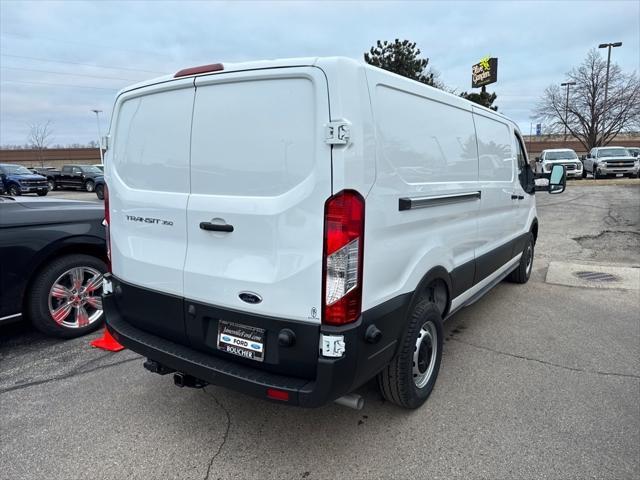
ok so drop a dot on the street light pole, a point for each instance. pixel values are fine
(609, 46)
(98, 112)
(566, 107)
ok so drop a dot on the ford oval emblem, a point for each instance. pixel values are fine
(250, 297)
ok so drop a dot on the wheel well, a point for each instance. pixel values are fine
(435, 286)
(86, 249)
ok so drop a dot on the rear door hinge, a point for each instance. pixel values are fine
(337, 132)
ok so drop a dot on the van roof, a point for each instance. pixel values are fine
(322, 62)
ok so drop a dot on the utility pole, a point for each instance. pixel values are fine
(606, 82)
(566, 107)
(98, 112)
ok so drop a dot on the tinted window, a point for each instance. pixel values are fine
(91, 169)
(494, 150)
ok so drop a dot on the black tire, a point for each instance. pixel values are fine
(525, 267)
(14, 190)
(42, 193)
(595, 173)
(37, 301)
(100, 192)
(396, 380)
(89, 185)
(584, 172)
(52, 184)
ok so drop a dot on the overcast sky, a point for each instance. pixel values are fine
(59, 60)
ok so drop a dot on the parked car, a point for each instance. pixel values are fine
(319, 247)
(53, 255)
(78, 176)
(99, 187)
(17, 180)
(610, 161)
(50, 173)
(559, 156)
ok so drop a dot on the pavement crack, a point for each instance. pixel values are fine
(544, 362)
(72, 373)
(224, 437)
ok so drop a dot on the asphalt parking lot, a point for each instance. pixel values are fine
(537, 381)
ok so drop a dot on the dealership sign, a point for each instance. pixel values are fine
(484, 73)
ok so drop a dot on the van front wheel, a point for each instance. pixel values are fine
(523, 272)
(409, 378)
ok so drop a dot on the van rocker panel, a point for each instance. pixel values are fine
(328, 379)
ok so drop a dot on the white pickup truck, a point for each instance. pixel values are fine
(610, 161)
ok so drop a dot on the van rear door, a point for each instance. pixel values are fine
(147, 171)
(260, 175)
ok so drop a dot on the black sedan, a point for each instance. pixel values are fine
(52, 259)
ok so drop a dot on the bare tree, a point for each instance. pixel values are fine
(587, 117)
(40, 137)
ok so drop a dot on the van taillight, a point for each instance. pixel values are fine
(107, 222)
(342, 258)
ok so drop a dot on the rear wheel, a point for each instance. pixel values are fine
(410, 377)
(89, 186)
(100, 191)
(523, 272)
(13, 190)
(64, 299)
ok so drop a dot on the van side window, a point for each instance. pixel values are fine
(494, 150)
(525, 173)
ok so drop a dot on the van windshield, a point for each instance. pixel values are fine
(564, 155)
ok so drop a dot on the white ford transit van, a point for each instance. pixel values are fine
(293, 228)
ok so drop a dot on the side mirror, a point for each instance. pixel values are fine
(557, 179)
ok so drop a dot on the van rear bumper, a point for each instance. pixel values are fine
(334, 377)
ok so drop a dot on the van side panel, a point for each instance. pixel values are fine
(147, 171)
(426, 147)
(259, 163)
(496, 222)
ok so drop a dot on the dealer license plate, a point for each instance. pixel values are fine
(241, 340)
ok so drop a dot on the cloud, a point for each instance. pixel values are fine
(536, 43)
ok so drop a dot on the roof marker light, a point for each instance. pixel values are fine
(213, 67)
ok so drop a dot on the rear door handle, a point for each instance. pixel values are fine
(215, 227)
(514, 197)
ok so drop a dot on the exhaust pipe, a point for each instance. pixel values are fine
(352, 400)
